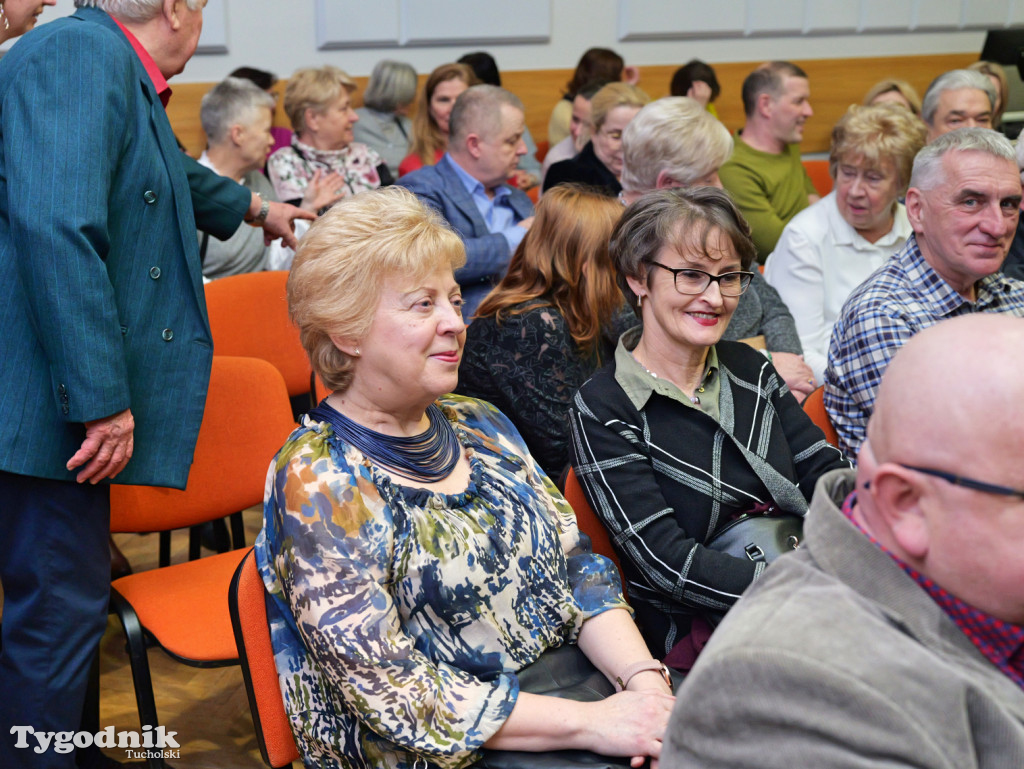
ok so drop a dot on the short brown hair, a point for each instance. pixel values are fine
(345, 258)
(679, 218)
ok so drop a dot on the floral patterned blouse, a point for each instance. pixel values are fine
(291, 168)
(399, 615)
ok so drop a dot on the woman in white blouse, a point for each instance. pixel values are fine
(829, 249)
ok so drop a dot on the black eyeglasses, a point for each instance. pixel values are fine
(691, 281)
(967, 483)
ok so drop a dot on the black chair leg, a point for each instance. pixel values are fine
(237, 531)
(165, 548)
(139, 659)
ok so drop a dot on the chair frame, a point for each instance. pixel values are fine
(261, 708)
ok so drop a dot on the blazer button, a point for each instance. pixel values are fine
(149, 196)
(154, 272)
(124, 331)
(66, 409)
(168, 335)
(61, 389)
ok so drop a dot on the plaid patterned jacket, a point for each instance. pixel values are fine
(902, 297)
(664, 477)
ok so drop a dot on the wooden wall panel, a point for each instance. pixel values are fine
(835, 84)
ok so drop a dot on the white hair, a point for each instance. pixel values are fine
(138, 11)
(955, 80)
(676, 135)
(234, 101)
(928, 170)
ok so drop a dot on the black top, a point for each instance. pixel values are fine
(663, 477)
(585, 168)
(530, 367)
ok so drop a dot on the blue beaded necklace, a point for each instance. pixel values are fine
(428, 457)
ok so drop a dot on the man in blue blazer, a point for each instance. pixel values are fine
(106, 349)
(467, 186)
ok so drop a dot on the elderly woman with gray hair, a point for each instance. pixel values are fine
(236, 115)
(417, 558)
(384, 125)
(829, 249)
(683, 431)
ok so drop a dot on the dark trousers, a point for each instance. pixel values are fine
(55, 571)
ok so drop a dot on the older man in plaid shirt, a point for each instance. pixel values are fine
(963, 203)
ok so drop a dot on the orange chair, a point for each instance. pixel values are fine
(588, 521)
(814, 407)
(820, 176)
(249, 318)
(183, 608)
(246, 602)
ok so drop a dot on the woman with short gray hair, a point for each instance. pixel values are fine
(384, 125)
(829, 249)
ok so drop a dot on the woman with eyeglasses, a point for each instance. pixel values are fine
(599, 163)
(683, 431)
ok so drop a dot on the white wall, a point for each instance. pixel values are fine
(280, 35)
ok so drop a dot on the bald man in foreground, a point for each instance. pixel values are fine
(894, 636)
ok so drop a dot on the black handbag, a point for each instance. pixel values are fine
(561, 672)
(759, 537)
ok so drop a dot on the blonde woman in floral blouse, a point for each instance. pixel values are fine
(319, 104)
(409, 585)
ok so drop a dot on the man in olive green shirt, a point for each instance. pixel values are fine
(764, 175)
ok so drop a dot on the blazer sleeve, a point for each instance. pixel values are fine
(614, 466)
(220, 203)
(487, 255)
(58, 182)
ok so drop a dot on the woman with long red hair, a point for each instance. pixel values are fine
(551, 322)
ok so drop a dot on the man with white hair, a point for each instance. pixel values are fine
(107, 348)
(895, 635)
(963, 205)
(675, 142)
(960, 98)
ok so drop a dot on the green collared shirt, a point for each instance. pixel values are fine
(638, 383)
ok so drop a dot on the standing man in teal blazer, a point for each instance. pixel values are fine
(106, 347)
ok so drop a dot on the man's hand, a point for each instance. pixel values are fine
(796, 372)
(323, 189)
(108, 445)
(279, 223)
(526, 223)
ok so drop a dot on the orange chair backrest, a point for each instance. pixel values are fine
(820, 176)
(256, 656)
(814, 407)
(249, 319)
(246, 420)
(587, 519)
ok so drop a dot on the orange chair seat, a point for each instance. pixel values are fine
(194, 590)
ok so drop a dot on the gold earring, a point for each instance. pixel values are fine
(639, 301)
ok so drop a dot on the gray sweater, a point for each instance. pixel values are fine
(762, 311)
